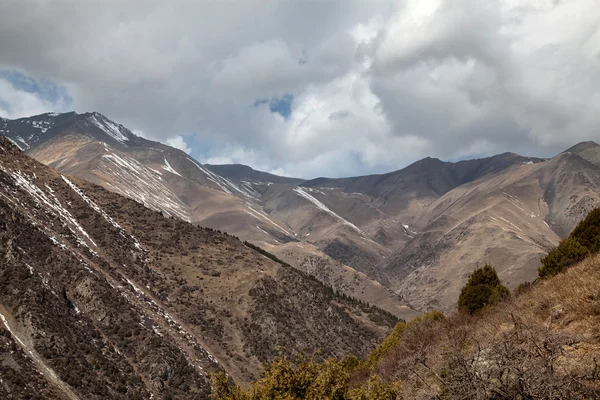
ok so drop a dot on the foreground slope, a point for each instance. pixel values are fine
(542, 344)
(103, 298)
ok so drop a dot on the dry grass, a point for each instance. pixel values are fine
(569, 302)
(543, 344)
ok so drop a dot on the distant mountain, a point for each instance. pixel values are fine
(102, 298)
(394, 239)
(510, 219)
(240, 173)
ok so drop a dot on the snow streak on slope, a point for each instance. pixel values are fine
(161, 317)
(110, 128)
(17, 144)
(49, 200)
(261, 215)
(136, 181)
(225, 184)
(45, 369)
(323, 207)
(167, 167)
(100, 211)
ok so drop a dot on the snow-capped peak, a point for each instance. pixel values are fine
(117, 132)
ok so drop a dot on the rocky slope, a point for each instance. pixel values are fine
(101, 297)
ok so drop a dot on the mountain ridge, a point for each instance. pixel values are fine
(387, 228)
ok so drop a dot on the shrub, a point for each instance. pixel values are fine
(483, 288)
(567, 253)
(301, 378)
(304, 378)
(394, 338)
(587, 232)
(583, 241)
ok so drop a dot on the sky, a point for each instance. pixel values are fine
(313, 88)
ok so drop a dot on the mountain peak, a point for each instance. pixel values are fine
(114, 130)
(240, 171)
(589, 151)
(38, 129)
(582, 146)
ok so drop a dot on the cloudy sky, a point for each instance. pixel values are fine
(315, 87)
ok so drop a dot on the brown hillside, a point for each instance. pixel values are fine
(108, 299)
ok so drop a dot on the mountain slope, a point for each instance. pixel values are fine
(510, 219)
(242, 174)
(108, 299)
(402, 239)
(98, 150)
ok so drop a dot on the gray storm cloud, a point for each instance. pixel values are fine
(374, 85)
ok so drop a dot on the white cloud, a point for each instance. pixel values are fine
(179, 143)
(17, 103)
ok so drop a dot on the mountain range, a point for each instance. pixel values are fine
(405, 241)
(102, 298)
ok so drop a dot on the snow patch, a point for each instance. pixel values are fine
(167, 167)
(100, 211)
(113, 130)
(323, 207)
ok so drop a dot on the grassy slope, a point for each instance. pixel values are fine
(542, 344)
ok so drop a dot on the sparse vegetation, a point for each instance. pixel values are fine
(136, 313)
(542, 344)
(377, 313)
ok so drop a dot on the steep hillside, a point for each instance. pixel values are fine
(103, 298)
(98, 150)
(541, 344)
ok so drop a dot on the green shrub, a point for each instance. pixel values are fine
(394, 338)
(583, 241)
(587, 232)
(300, 378)
(483, 288)
(567, 253)
(304, 378)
